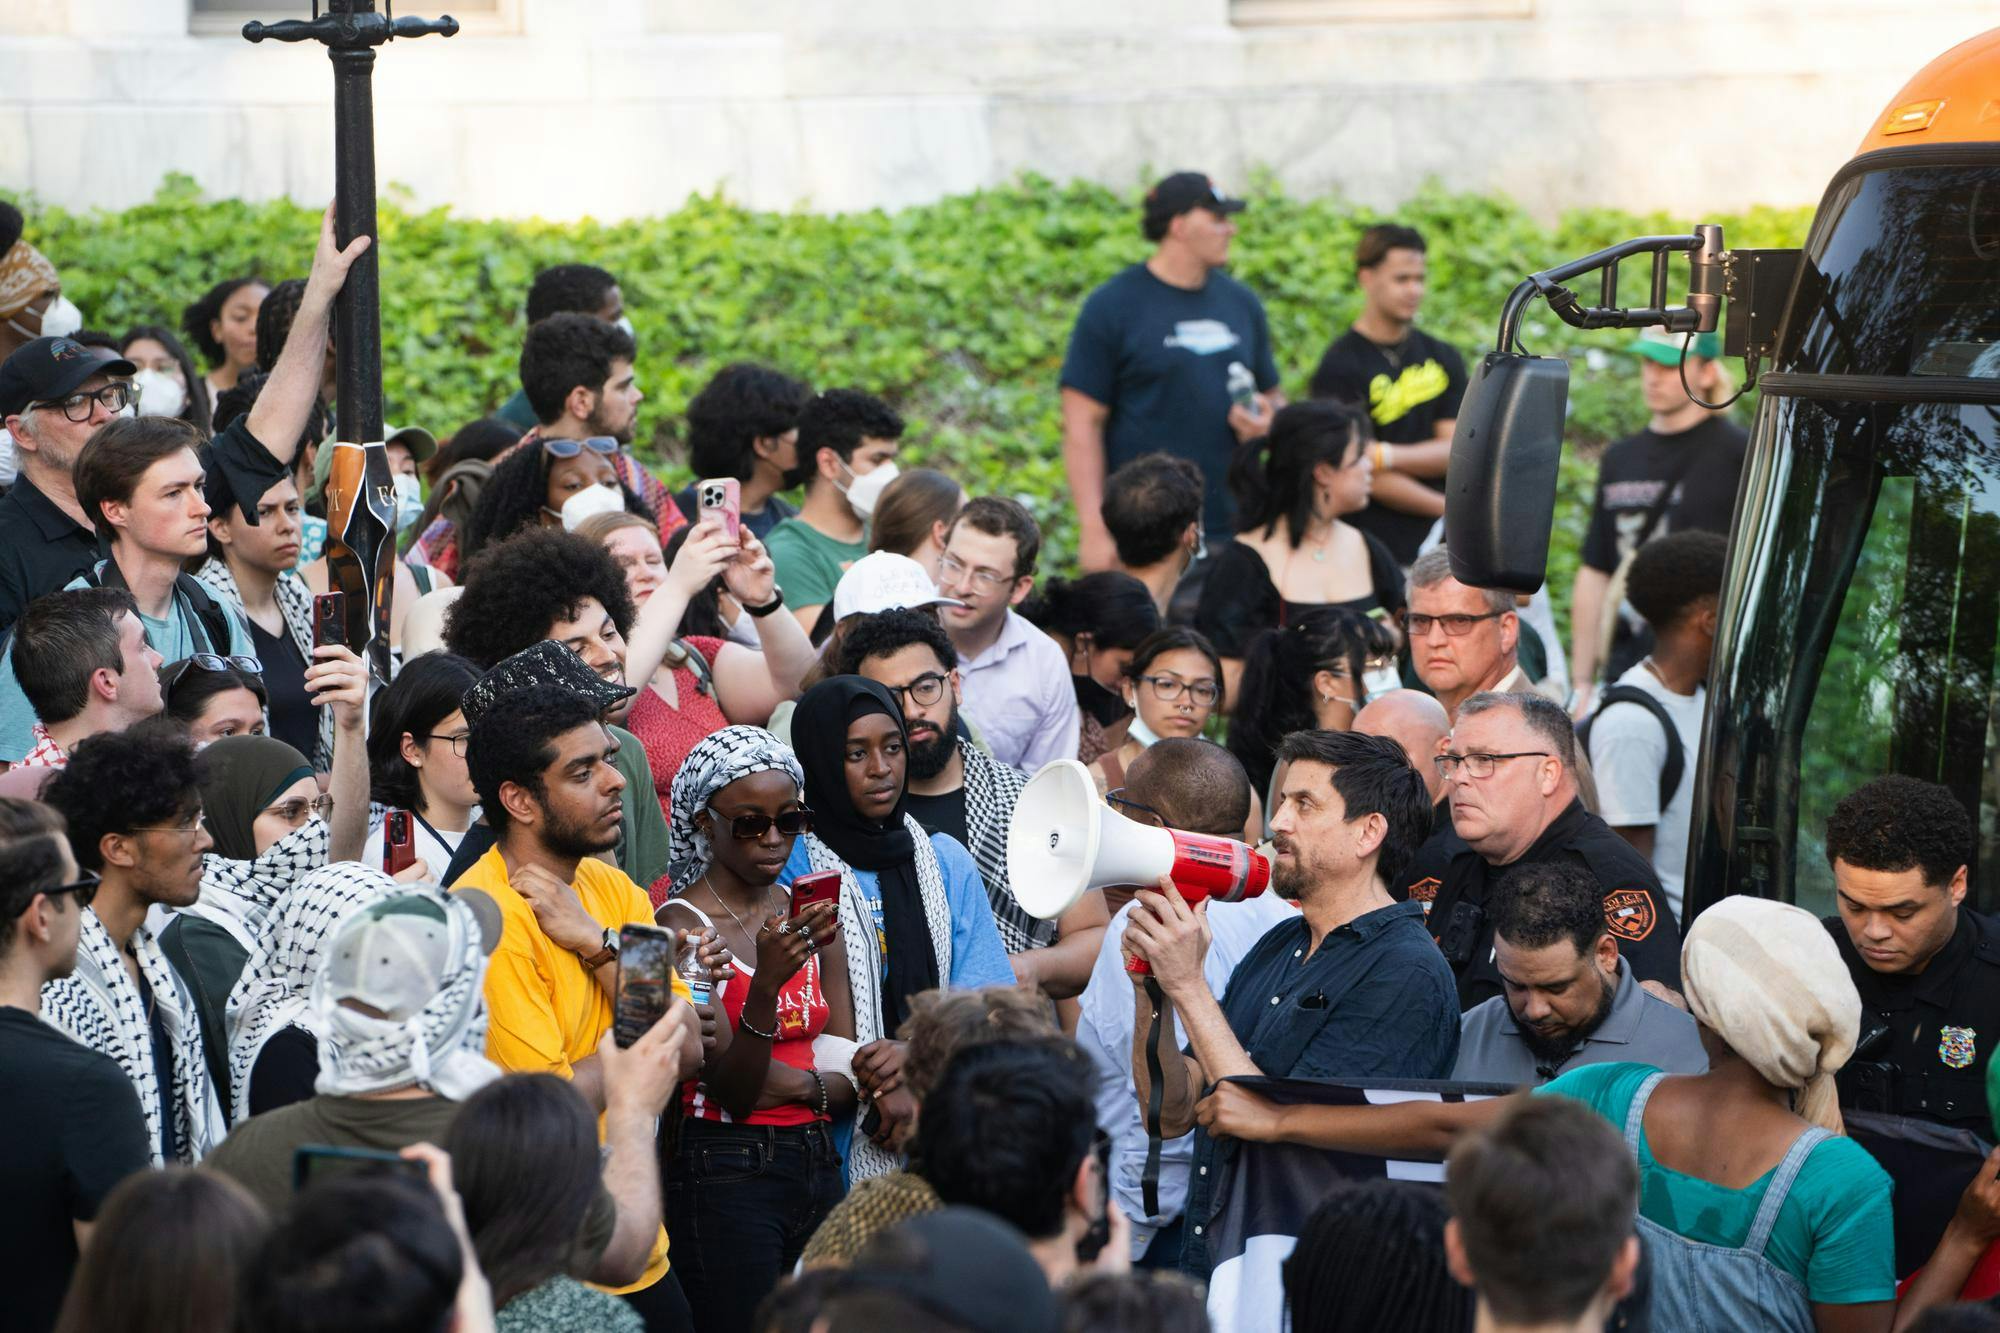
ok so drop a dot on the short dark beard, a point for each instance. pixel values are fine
(567, 838)
(931, 758)
(1551, 1052)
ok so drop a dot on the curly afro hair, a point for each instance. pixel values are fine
(513, 498)
(1899, 823)
(517, 589)
(1672, 576)
(892, 631)
(514, 741)
(744, 403)
(119, 781)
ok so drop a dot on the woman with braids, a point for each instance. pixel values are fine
(1310, 674)
(1370, 1259)
(787, 1072)
(1293, 552)
(1097, 620)
(223, 327)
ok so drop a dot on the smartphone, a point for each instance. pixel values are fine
(823, 887)
(645, 988)
(722, 497)
(330, 619)
(318, 1161)
(399, 842)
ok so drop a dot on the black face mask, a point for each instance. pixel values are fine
(1100, 703)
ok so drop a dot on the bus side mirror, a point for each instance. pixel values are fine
(1500, 490)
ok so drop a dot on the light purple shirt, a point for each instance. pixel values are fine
(1020, 693)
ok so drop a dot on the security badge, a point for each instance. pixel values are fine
(1957, 1047)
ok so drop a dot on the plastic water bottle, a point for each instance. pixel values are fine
(693, 973)
(1242, 387)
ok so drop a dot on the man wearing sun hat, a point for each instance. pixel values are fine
(1678, 473)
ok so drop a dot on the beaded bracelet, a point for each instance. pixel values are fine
(743, 1022)
(825, 1106)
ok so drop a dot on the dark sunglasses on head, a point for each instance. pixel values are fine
(744, 828)
(597, 444)
(171, 674)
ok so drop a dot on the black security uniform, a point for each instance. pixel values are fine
(1635, 909)
(1925, 1039)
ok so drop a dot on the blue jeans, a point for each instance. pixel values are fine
(741, 1203)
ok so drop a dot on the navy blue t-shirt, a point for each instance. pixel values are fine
(1158, 356)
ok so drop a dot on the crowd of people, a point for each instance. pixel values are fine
(311, 1013)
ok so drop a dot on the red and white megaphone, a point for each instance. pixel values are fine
(1065, 841)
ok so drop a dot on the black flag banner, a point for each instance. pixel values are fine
(1267, 1190)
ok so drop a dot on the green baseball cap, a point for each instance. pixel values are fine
(1665, 348)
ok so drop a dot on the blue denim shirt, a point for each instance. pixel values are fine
(1375, 1000)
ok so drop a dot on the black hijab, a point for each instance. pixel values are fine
(819, 737)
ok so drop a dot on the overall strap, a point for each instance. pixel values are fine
(1781, 1186)
(1635, 1116)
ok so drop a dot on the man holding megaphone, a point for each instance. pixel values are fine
(1351, 988)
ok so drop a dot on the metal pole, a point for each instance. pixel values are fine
(357, 320)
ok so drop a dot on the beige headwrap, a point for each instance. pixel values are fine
(1766, 977)
(25, 273)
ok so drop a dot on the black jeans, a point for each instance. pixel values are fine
(742, 1201)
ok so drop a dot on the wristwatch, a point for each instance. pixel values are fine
(758, 612)
(609, 953)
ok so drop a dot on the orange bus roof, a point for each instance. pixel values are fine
(1954, 99)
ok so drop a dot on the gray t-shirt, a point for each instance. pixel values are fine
(1640, 1028)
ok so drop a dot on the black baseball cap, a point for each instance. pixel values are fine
(963, 1265)
(50, 368)
(1185, 190)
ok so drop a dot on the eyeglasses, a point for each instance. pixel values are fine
(77, 407)
(925, 689)
(457, 743)
(983, 579)
(170, 675)
(597, 444)
(1454, 626)
(746, 828)
(296, 813)
(1481, 765)
(1131, 809)
(1168, 688)
(196, 825)
(84, 886)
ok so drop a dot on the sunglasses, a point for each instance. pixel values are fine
(745, 828)
(597, 444)
(171, 675)
(1131, 809)
(84, 886)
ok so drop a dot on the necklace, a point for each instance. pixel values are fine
(748, 933)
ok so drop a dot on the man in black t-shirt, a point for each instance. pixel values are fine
(1410, 382)
(1158, 357)
(74, 1127)
(1677, 474)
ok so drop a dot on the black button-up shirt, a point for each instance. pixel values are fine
(1942, 1027)
(41, 549)
(1635, 909)
(1375, 1000)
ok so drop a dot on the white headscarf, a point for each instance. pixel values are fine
(718, 760)
(1766, 978)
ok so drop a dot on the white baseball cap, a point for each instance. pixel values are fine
(883, 581)
(394, 955)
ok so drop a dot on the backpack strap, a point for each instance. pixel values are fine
(208, 613)
(1676, 762)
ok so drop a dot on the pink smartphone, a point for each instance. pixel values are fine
(723, 498)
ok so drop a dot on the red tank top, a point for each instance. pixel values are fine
(802, 1015)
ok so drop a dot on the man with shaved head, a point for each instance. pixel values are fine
(1187, 783)
(1418, 723)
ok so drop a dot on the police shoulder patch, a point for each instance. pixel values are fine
(1630, 914)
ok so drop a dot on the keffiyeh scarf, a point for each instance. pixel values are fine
(240, 896)
(100, 1006)
(866, 965)
(440, 1047)
(991, 789)
(275, 990)
(716, 761)
(294, 599)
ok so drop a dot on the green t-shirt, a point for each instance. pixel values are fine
(1835, 1232)
(809, 563)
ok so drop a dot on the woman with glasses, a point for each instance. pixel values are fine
(214, 696)
(737, 814)
(1097, 620)
(1293, 552)
(416, 761)
(1309, 675)
(913, 910)
(547, 483)
(1173, 684)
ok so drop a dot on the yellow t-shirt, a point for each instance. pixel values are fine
(544, 1011)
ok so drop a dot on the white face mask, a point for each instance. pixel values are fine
(160, 394)
(409, 499)
(588, 503)
(624, 323)
(61, 319)
(1379, 680)
(866, 489)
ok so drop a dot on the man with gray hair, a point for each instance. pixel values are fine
(1465, 640)
(1510, 777)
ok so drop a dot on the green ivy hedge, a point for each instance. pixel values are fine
(956, 311)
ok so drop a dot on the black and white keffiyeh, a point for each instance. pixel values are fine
(240, 896)
(294, 600)
(991, 790)
(99, 1005)
(440, 1047)
(275, 990)
(719, 759)
(865, 963)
